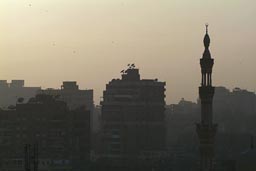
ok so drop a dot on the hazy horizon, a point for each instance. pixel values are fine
(46, 42)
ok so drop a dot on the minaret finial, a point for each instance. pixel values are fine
(206, 38)
(206, 26)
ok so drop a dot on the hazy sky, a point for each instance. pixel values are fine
(91, 41)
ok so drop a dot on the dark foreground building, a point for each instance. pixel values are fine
(206, 129)
(133, 120)
(62, 136)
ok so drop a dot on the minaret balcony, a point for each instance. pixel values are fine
(206, 133)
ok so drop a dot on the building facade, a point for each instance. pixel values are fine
(133, 118)
(62, 135)
(74, 97)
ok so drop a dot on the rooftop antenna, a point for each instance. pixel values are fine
(206, 26)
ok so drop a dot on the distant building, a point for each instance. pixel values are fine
(181, 115)
(180, 121)
(11, 92)
(72, 95)
(62, 135)
(133, 118)
(233, 110)
(240, 105)
(96, 118)
(238, 99)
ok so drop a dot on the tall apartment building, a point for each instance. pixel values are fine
(133, 118)
(62, 135)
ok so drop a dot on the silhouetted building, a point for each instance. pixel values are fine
(206, 129)
(181, 115)
(62, 135)
(240, 105)
(74, 97)
(133, 119)
(233, 110)
(180, 123)
(11, 92)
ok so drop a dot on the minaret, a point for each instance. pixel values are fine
(206, 130)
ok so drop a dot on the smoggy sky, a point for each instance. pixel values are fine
(47, 41)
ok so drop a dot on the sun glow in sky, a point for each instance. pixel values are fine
(47, 41)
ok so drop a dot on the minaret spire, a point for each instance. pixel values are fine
(207, 41)
(206, 62)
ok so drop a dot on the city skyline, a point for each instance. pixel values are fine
(87, 40)
(127, 85)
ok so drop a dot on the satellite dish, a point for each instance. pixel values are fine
(20, 100)
(11, 107)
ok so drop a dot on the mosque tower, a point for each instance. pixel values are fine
(206, 130)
